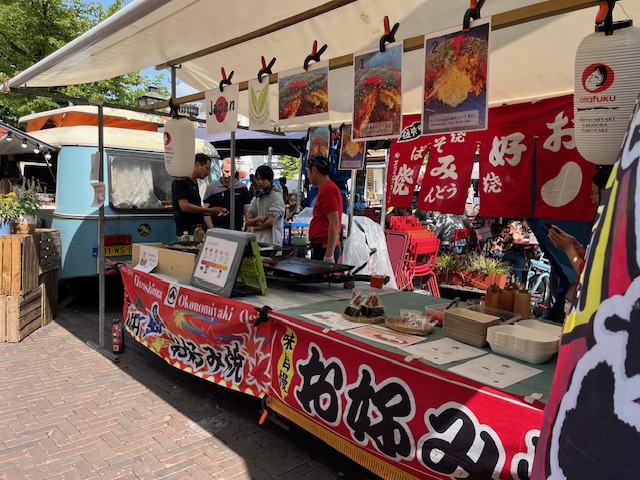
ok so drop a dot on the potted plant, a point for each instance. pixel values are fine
(28, 206)
(485, 271)
(9, 212)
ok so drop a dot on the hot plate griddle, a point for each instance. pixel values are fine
(305, 269)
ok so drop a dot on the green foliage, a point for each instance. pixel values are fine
(445, 261)
(481, 264)
(291, 166)
(30, 30)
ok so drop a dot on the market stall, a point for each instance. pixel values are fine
(391, 410)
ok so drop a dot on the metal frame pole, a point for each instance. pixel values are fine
(232, 182)
(101, 257)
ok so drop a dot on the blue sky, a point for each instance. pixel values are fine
(181, 87)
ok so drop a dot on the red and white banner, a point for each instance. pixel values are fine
(206, 335)
(424, 421)
(447, 171)
(506, 154)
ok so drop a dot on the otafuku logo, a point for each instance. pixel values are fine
(597, 77)
(167, 138)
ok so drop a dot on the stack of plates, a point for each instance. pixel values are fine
(468, 326)
(529, 342)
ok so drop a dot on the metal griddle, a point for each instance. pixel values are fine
(306, 270)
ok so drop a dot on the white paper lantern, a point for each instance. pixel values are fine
(607, 83)
(179, 147)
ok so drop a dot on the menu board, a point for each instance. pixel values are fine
(227, 257)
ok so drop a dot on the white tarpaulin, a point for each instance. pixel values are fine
(531, 60)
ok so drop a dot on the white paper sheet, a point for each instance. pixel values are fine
(444, 351)
(386, 336)
(332, 320)
(495, 371)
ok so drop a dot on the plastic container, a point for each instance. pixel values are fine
(436, 311)
(493, 296)
(522, 304)
(507, 296)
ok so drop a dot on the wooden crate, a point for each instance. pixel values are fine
(170, 262)
(20, 315)
(49, 249)
(49, 283)
(19, 268)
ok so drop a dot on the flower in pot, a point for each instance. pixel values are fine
(28, 206)
(9, 212)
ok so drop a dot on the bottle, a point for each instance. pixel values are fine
(493, 296)
(185, 237)
(522, 303)
(198, 234)
(506, 299)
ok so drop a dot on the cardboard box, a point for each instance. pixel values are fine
(170, 262)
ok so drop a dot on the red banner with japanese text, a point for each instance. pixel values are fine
(460, 429)
(518, 137)
(206, 335)
(563, 177)
(447, 173)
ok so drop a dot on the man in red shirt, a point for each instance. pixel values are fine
(324, 231)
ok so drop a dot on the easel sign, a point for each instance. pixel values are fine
(228, 256)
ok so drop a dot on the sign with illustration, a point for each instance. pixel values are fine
(205, 335)
(303, 96)
(221, 108)
(377, 93)
(259, 105)
(351, 153)
(319, 141)
(455, 79)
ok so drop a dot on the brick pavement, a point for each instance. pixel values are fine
(67, 412)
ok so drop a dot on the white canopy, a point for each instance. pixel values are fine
(530, 60)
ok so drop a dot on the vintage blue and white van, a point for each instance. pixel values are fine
(138, 188)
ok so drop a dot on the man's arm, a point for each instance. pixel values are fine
(332, 235)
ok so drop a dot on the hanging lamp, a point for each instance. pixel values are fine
(179, 144)
(606, 84)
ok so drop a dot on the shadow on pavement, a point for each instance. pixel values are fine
(269, 451)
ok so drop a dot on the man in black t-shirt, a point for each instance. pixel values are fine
(218, 194)
(188, 211)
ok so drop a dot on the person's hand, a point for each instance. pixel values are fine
(561, 239)
(219, 211)
(328, 259)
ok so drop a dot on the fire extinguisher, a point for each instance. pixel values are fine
(117, 337)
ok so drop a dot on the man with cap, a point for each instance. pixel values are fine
(324, 230)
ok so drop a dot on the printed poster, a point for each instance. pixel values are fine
(303, 96)
(259, 104)
(351, 153)
(455, 80)
(377, 98)
(215, 261)
(148, 259)
(319, 141)
(221, 108)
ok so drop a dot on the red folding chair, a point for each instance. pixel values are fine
(426, 254)
(398, 246)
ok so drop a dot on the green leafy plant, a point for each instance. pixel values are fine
(27, 197)
(445, 262)
(489, 266)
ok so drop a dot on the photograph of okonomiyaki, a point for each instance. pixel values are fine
(377, 99)
(455, 79)
(303, 93)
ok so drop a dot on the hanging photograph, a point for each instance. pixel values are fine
(351, 153)
(222, 109)
(259, 105)
(303, 96)
(455, 80)
(377, 98)
(319, 141)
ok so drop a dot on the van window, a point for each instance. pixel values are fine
(138, 181)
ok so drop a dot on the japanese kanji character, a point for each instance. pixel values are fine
(507, 148)
(458, 137)
(400, 181)
(235, 363)
(491, 183)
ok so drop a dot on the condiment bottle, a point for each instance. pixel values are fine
(506, 299)
(185, 237)
(522, 303)
(493, 296)
(198, 234)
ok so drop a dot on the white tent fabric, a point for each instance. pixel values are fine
(532, 60)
